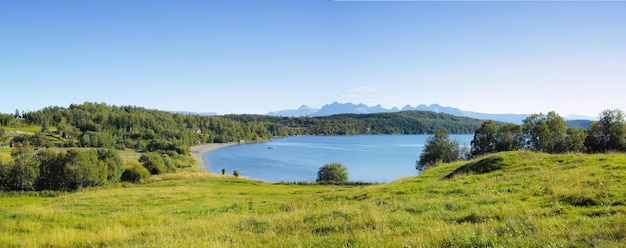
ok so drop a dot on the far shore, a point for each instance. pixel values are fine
(199, 151)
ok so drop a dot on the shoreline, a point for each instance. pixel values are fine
(199, 151)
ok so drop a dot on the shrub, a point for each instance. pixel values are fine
(332, 173)
(153, 162)
(135, 173)
(236, 173)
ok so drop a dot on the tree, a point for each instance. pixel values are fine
(153, 162)
(332, 173)
(439, 148)
(510, 138)
(25, 170)
(1, 136)
(135, 173)
(575, 139)
(608, 134)
(54, 174)
(112, 161)
(84, 169)
(545, 133)
(485, 139)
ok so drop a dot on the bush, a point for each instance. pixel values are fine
(332, 173)
(153, 162)
(135, 173)
(236, 173)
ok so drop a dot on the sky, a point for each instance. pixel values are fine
(254, 57)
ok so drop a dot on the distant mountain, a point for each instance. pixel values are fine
(510, 118)
(350, 108)
(193, 113)
(304, 110)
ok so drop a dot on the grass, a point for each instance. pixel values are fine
(508, 199)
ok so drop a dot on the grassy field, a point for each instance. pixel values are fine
(508, 199)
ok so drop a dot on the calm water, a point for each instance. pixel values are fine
(369, 158)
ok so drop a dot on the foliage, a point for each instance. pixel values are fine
(485, 139)
(545, 133)
(333, 173)
(607, 134)
(439, 148)
(20, 174)
(135, 173)
(405, 122)
(49, 170)
(111, 160)
(236, 173)
(104, 126)
(154, 163)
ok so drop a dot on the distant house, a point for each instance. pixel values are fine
(16, 144)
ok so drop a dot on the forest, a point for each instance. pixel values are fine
(104, 126)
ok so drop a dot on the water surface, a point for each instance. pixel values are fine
(369, 158)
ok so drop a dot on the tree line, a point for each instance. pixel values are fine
(100, 125)
(542, 133)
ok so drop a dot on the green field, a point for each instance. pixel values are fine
(508, 199)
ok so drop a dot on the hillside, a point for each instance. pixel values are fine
(405, 122)
(512, 199)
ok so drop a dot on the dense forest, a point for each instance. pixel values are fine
(103, 126)
(406, 122)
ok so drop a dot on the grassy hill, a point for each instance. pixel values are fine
(508, 199)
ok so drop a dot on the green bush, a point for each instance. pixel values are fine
(135, 173)
(332, 173)
(153, 162)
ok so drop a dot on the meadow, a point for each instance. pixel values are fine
(510, 199)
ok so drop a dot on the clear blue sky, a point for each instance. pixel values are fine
(259, 56)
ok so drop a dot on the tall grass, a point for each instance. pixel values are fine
(531, 199)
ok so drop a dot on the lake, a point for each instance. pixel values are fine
(369, 158)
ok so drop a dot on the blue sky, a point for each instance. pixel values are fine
(261, 56)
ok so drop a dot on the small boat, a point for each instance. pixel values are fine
(270, 147)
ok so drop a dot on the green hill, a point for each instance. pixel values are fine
(507, 199)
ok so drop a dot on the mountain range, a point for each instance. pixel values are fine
(350, 108)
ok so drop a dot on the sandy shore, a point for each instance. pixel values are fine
(198, 153)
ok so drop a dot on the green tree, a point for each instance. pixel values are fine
(575, 140)
(54, 174)
(439, 148)
(153, 162)
(332, 173)
(84, 169)
(112, 161)
(510, 137)
(545, 133)
(485, 139)
(25, 170)
(2, 135)
(135, 173)
(608, 133)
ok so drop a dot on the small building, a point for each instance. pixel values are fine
(16, 144)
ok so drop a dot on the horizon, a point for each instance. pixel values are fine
(248, 57)
(569, 116)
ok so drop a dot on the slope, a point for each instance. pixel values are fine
(508, 199)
